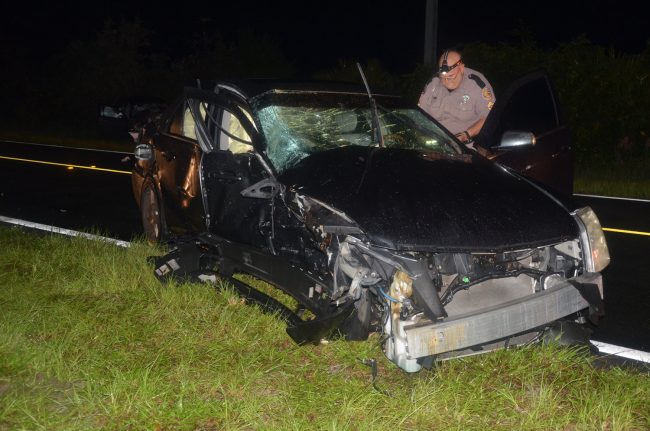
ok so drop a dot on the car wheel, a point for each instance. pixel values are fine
(152, 219)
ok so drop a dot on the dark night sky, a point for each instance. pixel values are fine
(316, 34)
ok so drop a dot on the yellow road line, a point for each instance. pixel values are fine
(67, 165)
(631, 232)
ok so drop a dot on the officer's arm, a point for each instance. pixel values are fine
(476, 127)
(473, 130)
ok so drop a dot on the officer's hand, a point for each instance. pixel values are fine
(462, 136)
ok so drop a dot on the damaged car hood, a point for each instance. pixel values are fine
(414, 200)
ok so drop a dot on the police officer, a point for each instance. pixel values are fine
(458, 97)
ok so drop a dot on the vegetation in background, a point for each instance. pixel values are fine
(89, 339)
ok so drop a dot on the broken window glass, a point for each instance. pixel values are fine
(297, 125)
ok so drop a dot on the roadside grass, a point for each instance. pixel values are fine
(624, 178)
(89, 339)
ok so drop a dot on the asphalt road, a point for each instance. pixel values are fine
(100, 198)
(73, 198)
(627, 290)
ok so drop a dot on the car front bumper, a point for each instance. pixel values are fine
(427, 338)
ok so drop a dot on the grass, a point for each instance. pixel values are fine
(90, 340)
(624, 178)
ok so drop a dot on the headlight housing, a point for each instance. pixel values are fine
(594, 245)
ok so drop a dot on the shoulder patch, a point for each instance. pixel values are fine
(487, 94)
(476, 79)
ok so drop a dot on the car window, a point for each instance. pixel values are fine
(209, 115)
(176, 124)
(233, 137)
(188, 124)
(295, 126)
(183, 122)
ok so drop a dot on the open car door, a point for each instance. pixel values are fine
(524, 132)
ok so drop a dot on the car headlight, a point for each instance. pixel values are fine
(594, 245)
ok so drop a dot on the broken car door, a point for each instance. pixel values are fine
(230, 170)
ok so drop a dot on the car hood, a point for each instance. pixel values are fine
(415, 200)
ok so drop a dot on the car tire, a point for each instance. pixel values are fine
(151, 213)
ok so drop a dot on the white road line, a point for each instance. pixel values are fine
(68, 148)
(623, 352)
(63, 231)
(612, 197)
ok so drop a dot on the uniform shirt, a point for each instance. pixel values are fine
(461, 108)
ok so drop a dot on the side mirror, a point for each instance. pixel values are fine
(515, 139)
(143, 152)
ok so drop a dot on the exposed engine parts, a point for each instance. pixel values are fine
(449, 284)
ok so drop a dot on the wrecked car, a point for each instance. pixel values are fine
(367, 213)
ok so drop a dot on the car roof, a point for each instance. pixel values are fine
(251, 88)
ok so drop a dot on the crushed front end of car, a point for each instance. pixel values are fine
(436, 306)
(428, 306)
(374, 220)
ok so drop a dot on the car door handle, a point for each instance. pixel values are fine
(168, 155)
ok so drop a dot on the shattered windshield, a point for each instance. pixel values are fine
(296, 125)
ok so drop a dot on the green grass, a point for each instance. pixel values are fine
(90, 340)
(624, 178)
